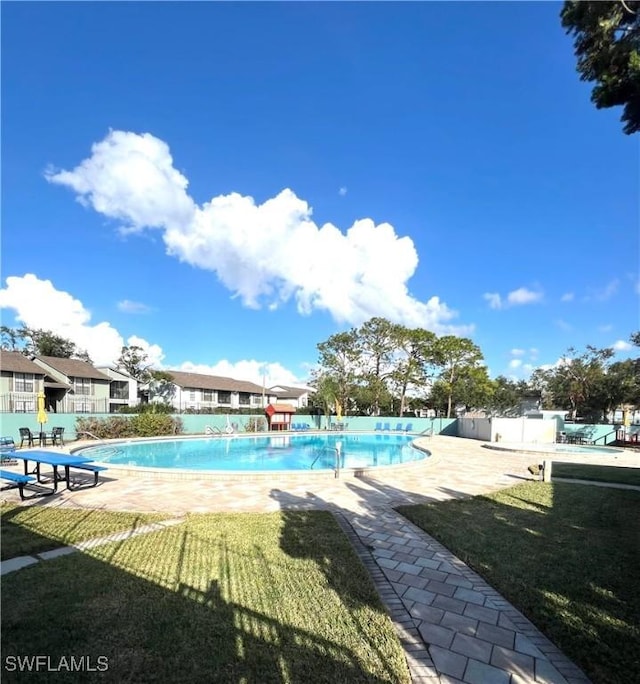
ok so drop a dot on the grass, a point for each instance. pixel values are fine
(567, 556)
(27, 530)
(599, 473)
(235, 598)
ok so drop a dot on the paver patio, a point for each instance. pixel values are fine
(453, 625)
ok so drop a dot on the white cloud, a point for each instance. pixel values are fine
(265, 253)
(563, 325)
(343, 191)
(128, 306)
(494, 299)
(567, 297)
(605, 328)
(515, 363)
(154, 352)
(621, 345)
(253, 371)
(523, 296)
(131, 178)
(514, 298)
(37, 304)
(604, 293)
(517, 352)
(533, 353)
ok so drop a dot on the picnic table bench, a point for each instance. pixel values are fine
(57, 460)
(17, 480)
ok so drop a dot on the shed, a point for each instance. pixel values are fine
(279, 416)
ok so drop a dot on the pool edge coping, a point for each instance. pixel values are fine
(150, 473)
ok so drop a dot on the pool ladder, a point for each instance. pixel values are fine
(337, 450)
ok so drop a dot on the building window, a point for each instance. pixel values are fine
(224, 397)
(119, 389)
(192, 395)
(244, 399)
(23, 382)
(82, 385)
(207, 395)
(24, 406)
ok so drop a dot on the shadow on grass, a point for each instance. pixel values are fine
(179, 605)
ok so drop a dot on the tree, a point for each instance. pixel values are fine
(378, 338)
(133, 360)
(456, 355)
(415, 357)
(577, 383)
(607, 46)
(38, 342)
(339, 358)
(507, 395)
(9, 339)
(161, 385)
(325, 391)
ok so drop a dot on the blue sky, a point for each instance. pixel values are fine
(229, 184)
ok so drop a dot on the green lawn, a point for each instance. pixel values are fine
(32, 529)
(568, 556)
(599, 473)
(219, 598)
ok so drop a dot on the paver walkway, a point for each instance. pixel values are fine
(453, 625)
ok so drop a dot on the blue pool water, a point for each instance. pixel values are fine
(272, 452)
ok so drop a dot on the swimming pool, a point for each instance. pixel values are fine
(566, 449)
(310, 452)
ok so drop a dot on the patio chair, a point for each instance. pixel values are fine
(57, 436)
(399, 427)
(386, 427)
(378, 426)
(408, 427)
(7, 449)
(26, 434)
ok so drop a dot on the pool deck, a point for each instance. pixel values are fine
(453, 625)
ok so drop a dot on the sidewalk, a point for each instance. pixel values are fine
(453, 625)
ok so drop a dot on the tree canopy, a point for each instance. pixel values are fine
(37, 342)
(607, 46)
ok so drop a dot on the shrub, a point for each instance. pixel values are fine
(120, 427)
(153, 424)
(148, 408)
(258, 424)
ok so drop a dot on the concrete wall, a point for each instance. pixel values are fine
(523, 430)
(196, 424)
(475, 428)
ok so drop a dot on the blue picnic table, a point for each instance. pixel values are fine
(57, 460)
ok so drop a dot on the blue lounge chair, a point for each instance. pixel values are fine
(387, 427)
(378, 426)
(399, 427)
(408, 427)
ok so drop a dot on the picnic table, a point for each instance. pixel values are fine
(56, 460)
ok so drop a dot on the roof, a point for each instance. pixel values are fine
(279, 408)
(73, 368)
(57, 385)
(288, 392)
(114, 373)
(15, 362)
(213, 382)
